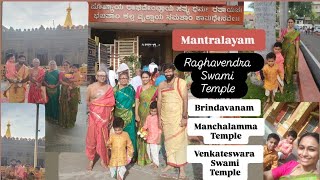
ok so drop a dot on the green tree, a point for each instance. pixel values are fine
(313, 17)
(317, 20)
(133, 63)
(300, 9)
(251, 5)
(296, 9)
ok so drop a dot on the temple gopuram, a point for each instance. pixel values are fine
(21, 149)
(67, 42)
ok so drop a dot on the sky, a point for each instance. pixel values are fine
(28, 15)
(22, 119)
(246, 4)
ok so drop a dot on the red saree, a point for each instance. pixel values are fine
(37, 94)
(98, 132)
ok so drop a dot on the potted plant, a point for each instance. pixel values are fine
(133, 62)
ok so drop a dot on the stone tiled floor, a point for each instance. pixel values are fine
(69, 140)
(73, 166)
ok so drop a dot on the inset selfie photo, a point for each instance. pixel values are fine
(292, 140)
(22, 141)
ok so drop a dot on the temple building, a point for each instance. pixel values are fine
(142, 29)
(298, 116)
(21, 149)
(8, 132)
(67, 42)
(68, 21)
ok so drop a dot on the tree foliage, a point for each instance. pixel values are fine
(251, 6)
(296, 9)
(133, 62)
(300, 9)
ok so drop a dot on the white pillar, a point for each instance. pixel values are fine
(1, 45)
(265, 18)
(35, 157)
(284, 9)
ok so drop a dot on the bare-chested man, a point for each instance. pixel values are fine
(100, 101)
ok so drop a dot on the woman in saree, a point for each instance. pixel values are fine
(68, 101)
(306, 166)
(290, 39)
(124, 94)
(36, 93)
(146, 93)
(51, 81)
(154, 76)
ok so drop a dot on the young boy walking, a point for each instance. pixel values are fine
(270, 72)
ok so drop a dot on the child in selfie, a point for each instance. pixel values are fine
(270, 155)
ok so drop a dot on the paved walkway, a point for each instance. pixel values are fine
(69, 140)
(313, 43)
(73, 166)
(308, 90)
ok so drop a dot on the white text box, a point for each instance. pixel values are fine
(225, 162)
(226, 130)
(224, 107)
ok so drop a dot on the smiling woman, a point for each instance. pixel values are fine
(305, 167)
(124, 94)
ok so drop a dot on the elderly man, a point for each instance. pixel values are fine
(172, 111)
(136, 81)
(123, 67)
(152, 66)
(112, 77)
(36, 75)
(100, 101)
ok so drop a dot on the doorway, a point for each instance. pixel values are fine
(151, 48)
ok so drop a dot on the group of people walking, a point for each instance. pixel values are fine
(282, 63)
(117, 114)
(58, 90)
